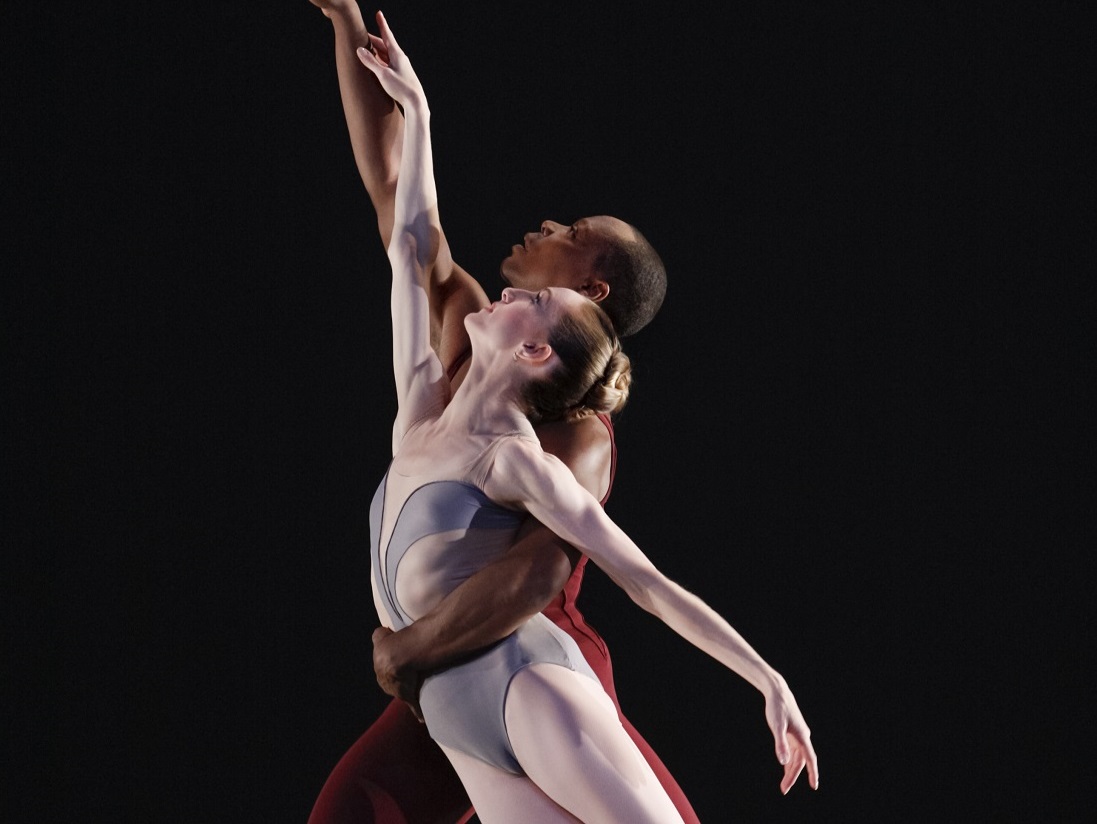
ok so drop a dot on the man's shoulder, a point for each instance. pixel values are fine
(566, 436)
(585, 446)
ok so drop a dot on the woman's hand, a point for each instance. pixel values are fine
(391, 66)
(791, 736)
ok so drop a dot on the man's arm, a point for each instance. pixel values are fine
(376, 127)
(487, 607)
(375, 123)
(499, 598)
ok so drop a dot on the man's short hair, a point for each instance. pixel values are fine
(637, 282)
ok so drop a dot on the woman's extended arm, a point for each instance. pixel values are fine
(525, 476)
(421, 383)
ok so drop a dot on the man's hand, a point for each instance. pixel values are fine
(394, 678)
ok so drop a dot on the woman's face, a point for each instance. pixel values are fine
(522, 317)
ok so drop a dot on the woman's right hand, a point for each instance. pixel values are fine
(391, 66)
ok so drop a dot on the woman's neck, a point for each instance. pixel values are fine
(486, 402)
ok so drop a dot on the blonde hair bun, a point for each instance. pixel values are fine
(610, 393)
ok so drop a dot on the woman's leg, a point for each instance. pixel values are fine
(594, 649)
(504, 798)
(565, 732)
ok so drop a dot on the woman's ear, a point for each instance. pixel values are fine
(596, 290)
(534, 353)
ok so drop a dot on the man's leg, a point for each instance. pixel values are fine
(393, 774)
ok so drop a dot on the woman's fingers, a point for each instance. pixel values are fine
(370, 60)
(792, 771)
(802, 755)
(781, 747)
(374, 44)
(386, 34)
(812, 763)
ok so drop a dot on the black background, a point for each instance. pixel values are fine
(853, 426)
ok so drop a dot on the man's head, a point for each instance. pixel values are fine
(601, 257)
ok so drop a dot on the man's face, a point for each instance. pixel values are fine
(561, 255)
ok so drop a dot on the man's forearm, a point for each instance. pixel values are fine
(486, 608)
(374, 122)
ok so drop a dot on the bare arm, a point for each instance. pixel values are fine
(484, 609)
(376, 127)
(374, 122)
(525, 476)
(421, 384)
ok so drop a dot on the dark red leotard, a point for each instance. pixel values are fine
(395, 774)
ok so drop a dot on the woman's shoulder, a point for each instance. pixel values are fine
(519, 460)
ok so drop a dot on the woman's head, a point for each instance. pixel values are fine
(589, 373)
(570, 360)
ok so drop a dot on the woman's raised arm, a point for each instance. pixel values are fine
(421, 384)
(525, 476)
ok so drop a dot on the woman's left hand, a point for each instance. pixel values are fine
(391, 66)
(792, 737)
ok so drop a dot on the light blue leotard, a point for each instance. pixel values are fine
(444, 532)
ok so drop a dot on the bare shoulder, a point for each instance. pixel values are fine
(522, 474)
(585, 448)
(459, 287)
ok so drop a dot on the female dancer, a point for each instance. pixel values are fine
(526, 725)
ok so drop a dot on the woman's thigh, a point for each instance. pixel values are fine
(567, 736)
(501, 797)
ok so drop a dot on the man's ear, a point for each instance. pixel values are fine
(596, 290)
(534, 353)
